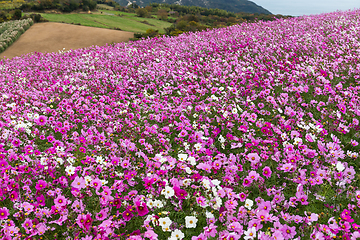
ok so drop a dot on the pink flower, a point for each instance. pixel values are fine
(60, 201)
(125, 164)
(102, 214)
(96, 183)
(42, 120)
(342, 108)
(81, 218)
(236, 227)
(150, 234)
(253, 157)
(4, 213)
(78, 183)
(200, 237)
(289, 232)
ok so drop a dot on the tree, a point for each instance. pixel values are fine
(162, 14)
(141, 12)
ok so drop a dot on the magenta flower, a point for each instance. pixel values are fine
(3, 164)
(41, 184)
(342, 108)
(141, 208)
(4, 213)
(82, 149)
(50, 138)
(88, 221)
(81, 218)
(267, 172)
(115, 161)
(127, 215)
(42, 120)
(242, 197)
(41, 200)
(13, 196)
(16, 142)
(180, 193)
(247, 182)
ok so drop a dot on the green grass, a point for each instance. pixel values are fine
(127, 22)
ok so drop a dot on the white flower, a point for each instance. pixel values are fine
(43, 161)
(249, 203)
(206, 183)
(297, 140)
(209, 215)
(88, 180)
(165, 223)
(158, 204)
(340, 167)
(188, 170)
(182, 157)
(168, 192)
(177, 235)
(190, 221)
(70, 170)
(60, 161)
(99, 159)
(192, 161)
(198, 146)
(150, 203)
(250, 233)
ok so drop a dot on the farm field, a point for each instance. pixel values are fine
(127, 22)
(245, 132)
(52, 37)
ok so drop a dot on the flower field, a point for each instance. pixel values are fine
(12, 30)
(245, 132)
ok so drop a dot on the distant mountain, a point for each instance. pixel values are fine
(228, 5)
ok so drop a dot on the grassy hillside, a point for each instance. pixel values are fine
(110, 19)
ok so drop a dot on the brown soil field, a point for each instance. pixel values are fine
(52, 37)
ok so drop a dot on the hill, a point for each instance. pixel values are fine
(229, 5)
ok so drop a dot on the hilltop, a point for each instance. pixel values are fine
(230, 5)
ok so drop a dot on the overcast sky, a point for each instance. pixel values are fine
(306, 7)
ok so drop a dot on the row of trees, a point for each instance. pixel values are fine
(191, 19)
(61, 5)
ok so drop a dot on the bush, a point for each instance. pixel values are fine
(141, 12)
(17, 14)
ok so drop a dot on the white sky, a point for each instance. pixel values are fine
(306, 7)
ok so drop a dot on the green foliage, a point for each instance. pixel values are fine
(141, 12)
(17, 14)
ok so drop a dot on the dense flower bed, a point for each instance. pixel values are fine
(246, 132)
(12, 30)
